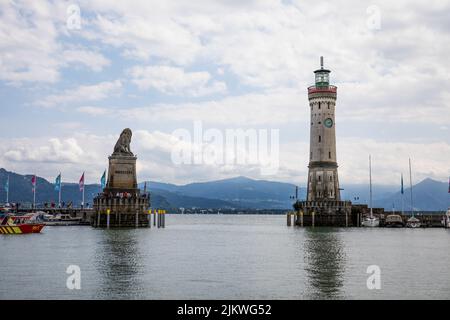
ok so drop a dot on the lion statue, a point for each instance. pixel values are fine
(123, 144)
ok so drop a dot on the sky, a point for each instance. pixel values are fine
(73, 75)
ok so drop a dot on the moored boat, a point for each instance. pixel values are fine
(446, 220)
(19, 224)
(370, 221)
(413, 222)
(60, 220)
(394, 221)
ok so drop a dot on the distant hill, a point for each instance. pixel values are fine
(239, 192)
(428, 195)
(20, 190)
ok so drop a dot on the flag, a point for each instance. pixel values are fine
(33, 182)
(81, 183)
(7, 184)
(58, 183)
(103, 180)
(402, 191)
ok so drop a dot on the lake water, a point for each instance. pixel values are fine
(226, 257)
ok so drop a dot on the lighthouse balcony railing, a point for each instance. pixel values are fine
(316, 89)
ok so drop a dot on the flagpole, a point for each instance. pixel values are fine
(402, 196)
(410, 184)
(370, 183)
(82, 201)
(60, 187)
(34, 192)
(7, 192)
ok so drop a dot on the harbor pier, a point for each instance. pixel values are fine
(314, 217)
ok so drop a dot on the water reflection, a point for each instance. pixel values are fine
(119, 264)
(324, 263)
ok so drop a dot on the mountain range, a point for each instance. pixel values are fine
(239, 192)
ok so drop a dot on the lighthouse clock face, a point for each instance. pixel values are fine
(328, 122)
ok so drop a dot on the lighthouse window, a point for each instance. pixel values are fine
(320, 138)
(318, 178)
(328, 105)
(331, 178)
(319, 105)
(320, 122)
(329, 156)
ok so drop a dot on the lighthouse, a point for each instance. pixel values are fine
(323, 182)
(323, 205)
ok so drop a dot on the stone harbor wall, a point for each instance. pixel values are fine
(122, 211)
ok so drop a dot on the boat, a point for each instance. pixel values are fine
(394, 221)
(412, 222)
(446, 219)
(60, 220)
(19, 224)
(370, 221)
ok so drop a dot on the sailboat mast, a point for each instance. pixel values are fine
(410, 187)
(370, 184)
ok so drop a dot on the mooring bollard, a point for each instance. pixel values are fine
(289, 219)
(149, 217)
(98, 219)
(301, 218)
(137, 218)
(158, 214)
(313, 219)
(163, 218)
(346, 219)
(154, 218)
(108, 211)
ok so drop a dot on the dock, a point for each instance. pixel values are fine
(428, 219)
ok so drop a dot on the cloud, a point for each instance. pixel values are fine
(250, 62)
(93, 111)
(31, 46)
(79, 152)
(82, 93)
(55, 150)
(175, 81)
(93, 60)
(253, 109)
(28, 40)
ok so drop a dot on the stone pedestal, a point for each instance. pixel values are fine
(121, 204)
(324, 214)
(121, 173)
(131, 212)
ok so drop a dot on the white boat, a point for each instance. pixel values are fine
(370, 221)
(60, 220)
(393, 221)
(412, 222)
(446, 220)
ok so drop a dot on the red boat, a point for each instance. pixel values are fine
(10, 224)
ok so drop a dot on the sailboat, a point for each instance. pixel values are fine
(412, 222)
(447, 219)
(370, 221)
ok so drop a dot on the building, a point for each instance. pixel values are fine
(323, 205)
